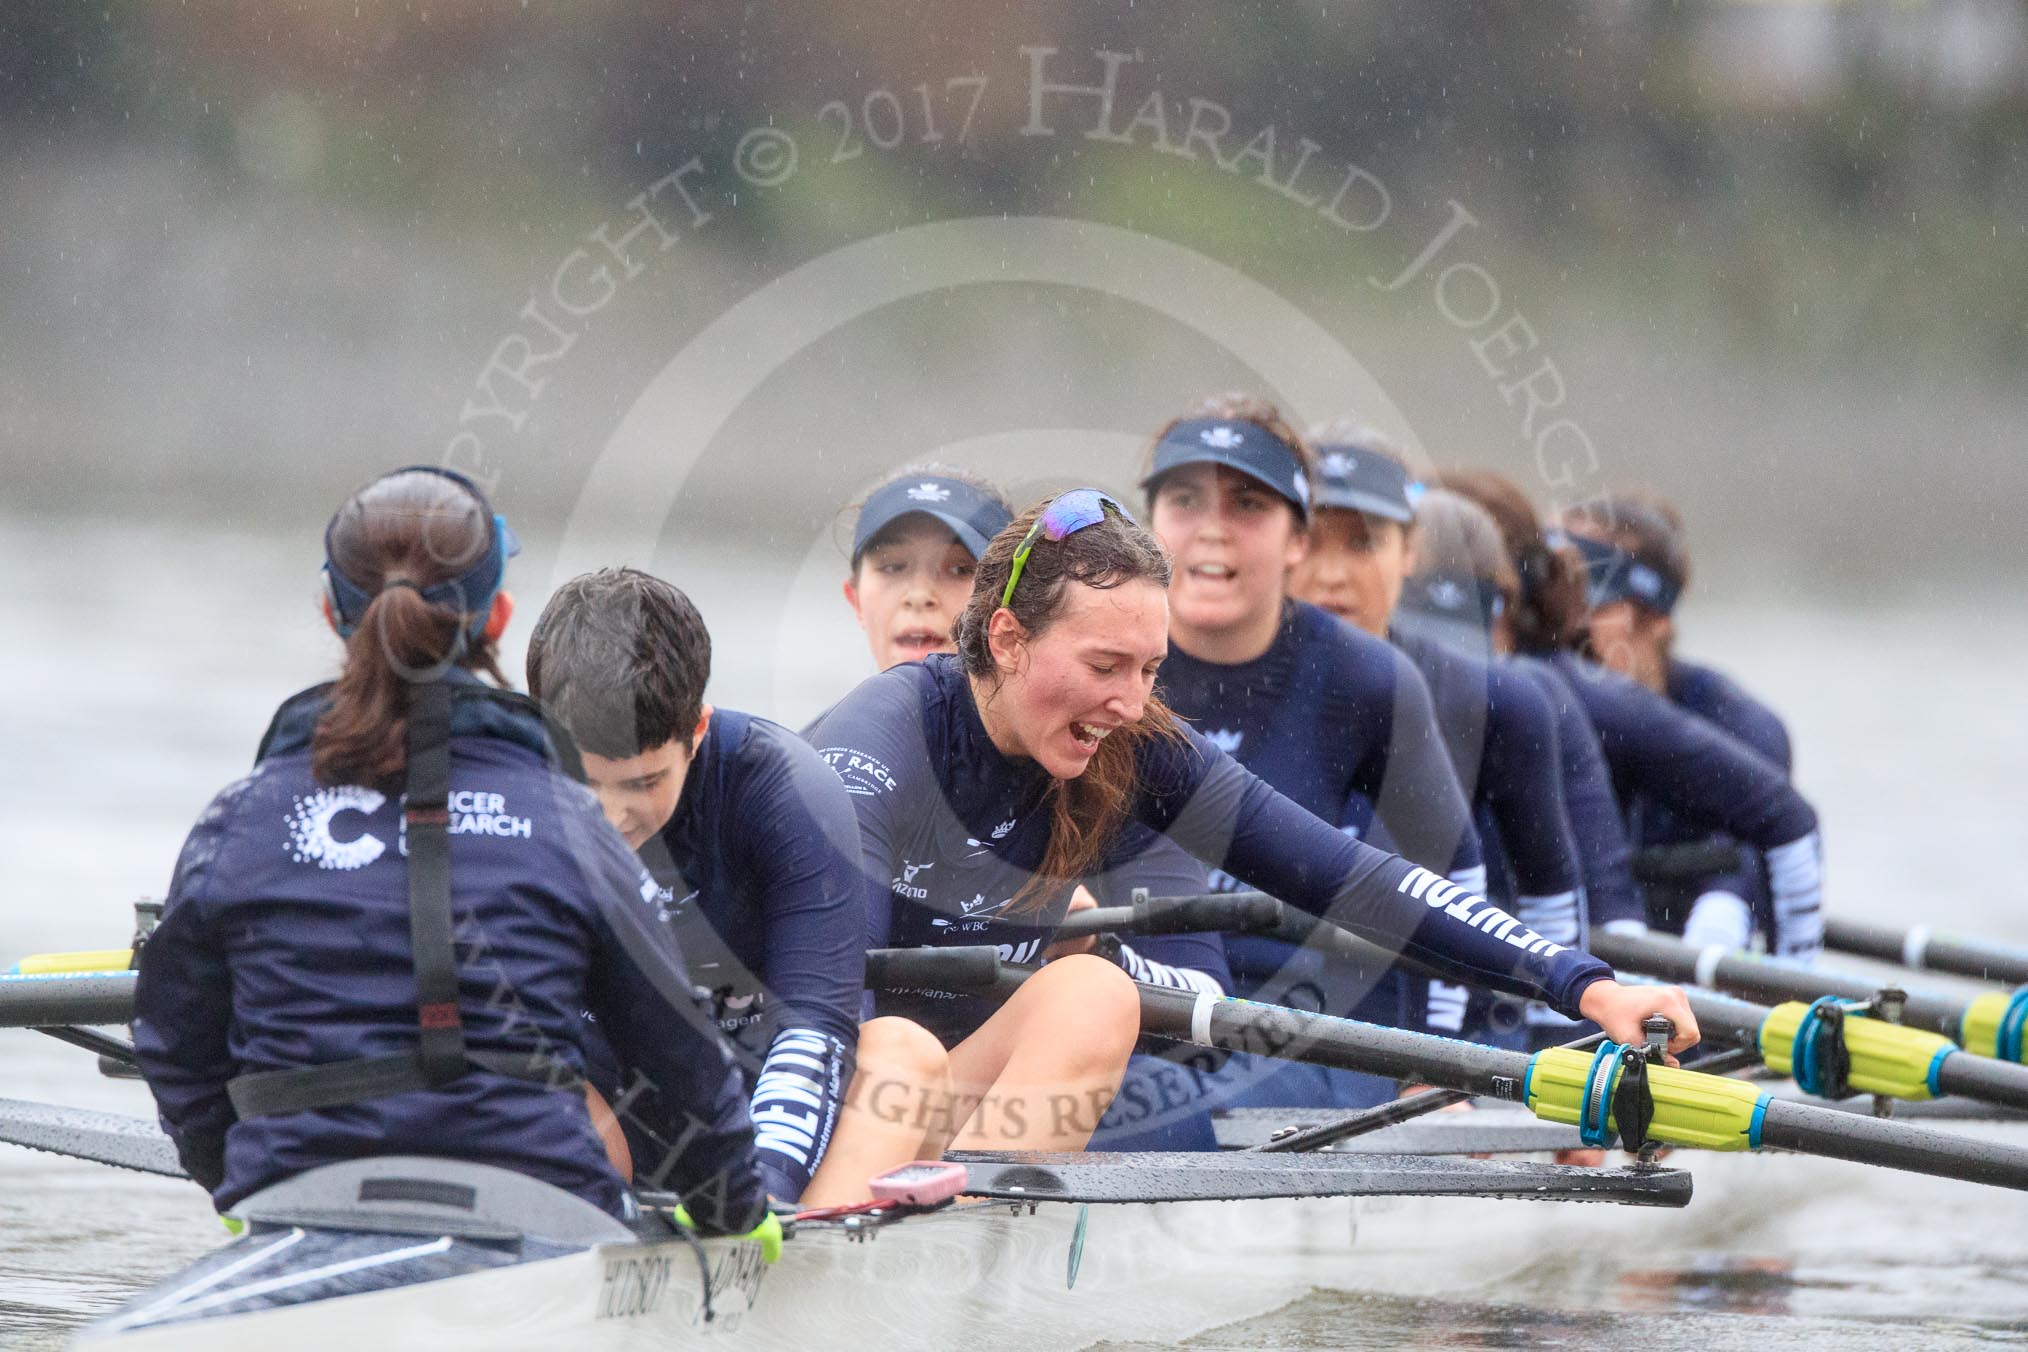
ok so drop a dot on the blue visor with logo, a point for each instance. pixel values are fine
(1611, 574)
(470, 594)
(1239, 445)
(1456, 610)
(1355, 479)
(974, 517)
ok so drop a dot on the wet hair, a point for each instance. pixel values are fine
(1643, 524)
(1458, 536)
(1086, 813)
(402, 532)
(921, 469)
(620, 659)
(1550, 612)
(1238, 406)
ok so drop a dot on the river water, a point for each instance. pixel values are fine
(141, 662)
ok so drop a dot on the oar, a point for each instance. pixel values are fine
(101, 1138)
(78, 998)
(1834, 1056)
(1886, 1059)
(1988, 1025)
(1597, 1092)
(1924, 949)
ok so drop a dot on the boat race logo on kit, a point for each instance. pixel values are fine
(310, 822)
(863, 774)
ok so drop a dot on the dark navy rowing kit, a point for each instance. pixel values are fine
(285, 943)
(1657, 752)
(951, 830)
(1726, 899)
(758, 871)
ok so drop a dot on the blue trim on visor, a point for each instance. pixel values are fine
(470, 594)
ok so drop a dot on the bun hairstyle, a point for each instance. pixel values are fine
(1551, 608)
(410, 530)
(1644, 525)
(1086, 813)
(1456, 535)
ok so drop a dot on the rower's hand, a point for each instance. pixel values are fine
(1619, 1010)
(1080, 900)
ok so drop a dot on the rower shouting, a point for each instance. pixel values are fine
(988, 782)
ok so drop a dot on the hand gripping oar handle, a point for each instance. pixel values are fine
(1921, 948)
(1690, 1108)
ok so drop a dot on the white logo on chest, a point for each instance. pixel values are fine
(1226, 740)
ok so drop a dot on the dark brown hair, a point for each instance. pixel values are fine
(408, 530)
(1086, 813)
(1645, 525)
(1552, 609)
(620, 659)
(1238, 406)
(1456, 535)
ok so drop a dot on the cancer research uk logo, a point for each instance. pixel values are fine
(312, 839)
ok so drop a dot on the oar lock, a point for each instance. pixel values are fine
(1835, 1047)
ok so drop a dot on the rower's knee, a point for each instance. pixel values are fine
(903, 1049)
(1104, 1007)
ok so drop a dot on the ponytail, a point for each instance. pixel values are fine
(410, 531)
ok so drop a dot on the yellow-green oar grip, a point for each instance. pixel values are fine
(1993, 1025)
(1705, 1111)
(67, 964)
(1887, 1058)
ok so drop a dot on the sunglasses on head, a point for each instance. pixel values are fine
(1069, 514)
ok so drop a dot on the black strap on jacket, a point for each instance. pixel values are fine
(440, 1055)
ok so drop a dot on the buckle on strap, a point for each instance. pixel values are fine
(443, 1014)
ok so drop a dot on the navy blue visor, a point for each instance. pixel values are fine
(1358, 480)
(1238, 445)
(974, 517)
(1611, 574)
(1456, 610)
(470, 594)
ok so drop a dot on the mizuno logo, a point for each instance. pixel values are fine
(929, 492)
(1220, 438)
(908, 870)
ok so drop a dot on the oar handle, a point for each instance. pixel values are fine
(974, 969)
(1214, 912)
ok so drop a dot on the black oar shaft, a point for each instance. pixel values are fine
(1894, 1145)
(1919, 948)
(97, 998)
(1760, 979)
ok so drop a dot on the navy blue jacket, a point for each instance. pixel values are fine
(1600, 832)
(1341, 723)
(950, 829)
(1717, 700)
(1658, 751)
(758, 870)
(284, 942)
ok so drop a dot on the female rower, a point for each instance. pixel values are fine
(1653, 749)
(1370, 547)
(988, 782)
(916, 540)
(301, 1002)
(1637, 568)
(1328, 715)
